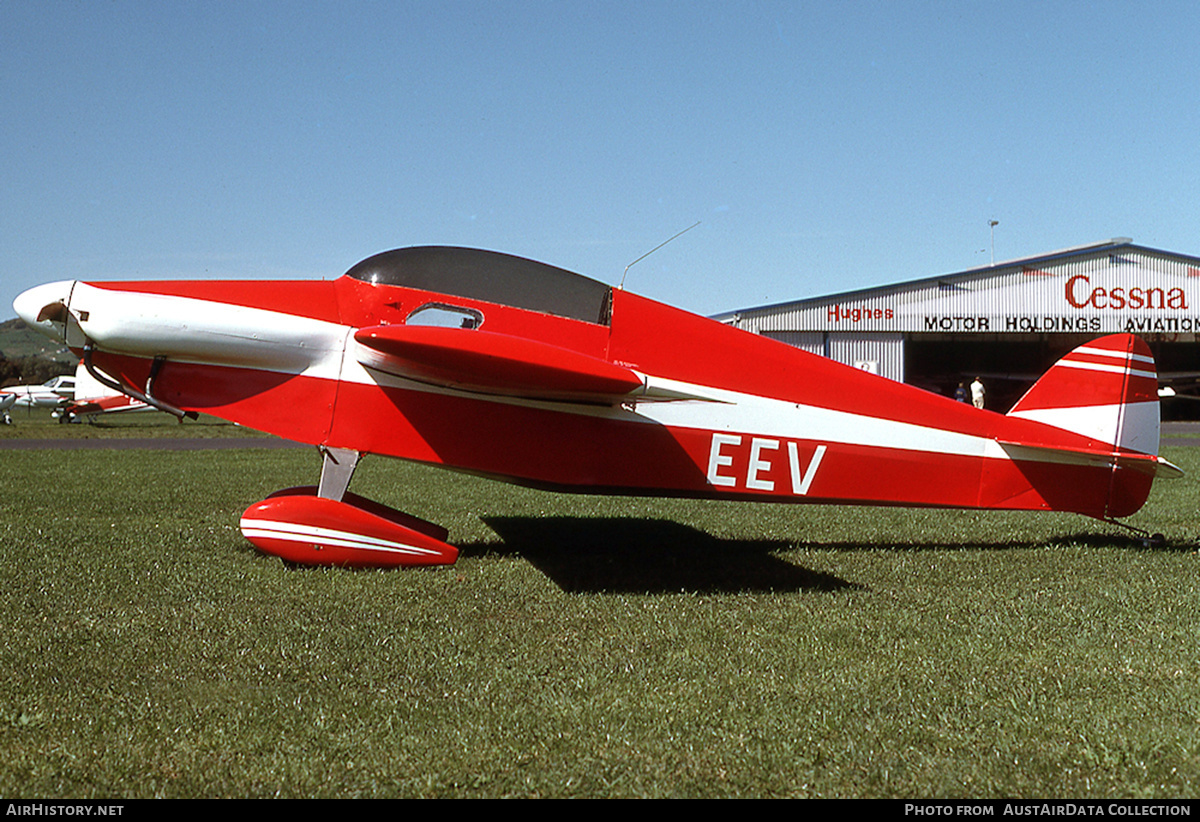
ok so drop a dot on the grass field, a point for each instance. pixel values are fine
(581, 647)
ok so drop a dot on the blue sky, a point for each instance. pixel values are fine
(822, 146)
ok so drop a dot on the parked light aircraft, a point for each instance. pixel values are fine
(50, 394)
(509, 368)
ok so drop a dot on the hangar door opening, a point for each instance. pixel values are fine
(1008, 366)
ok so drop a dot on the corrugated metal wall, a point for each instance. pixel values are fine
(811, 341)
(881, 354)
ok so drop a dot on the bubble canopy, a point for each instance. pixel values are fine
(492, 277)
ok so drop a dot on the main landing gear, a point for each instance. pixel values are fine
(328, 525)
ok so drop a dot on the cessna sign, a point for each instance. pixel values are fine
(1118, 297)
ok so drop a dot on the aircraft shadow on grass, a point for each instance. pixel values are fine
(625, 555)
(616, 555)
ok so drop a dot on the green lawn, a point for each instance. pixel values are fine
(583, 646)
(36, 423)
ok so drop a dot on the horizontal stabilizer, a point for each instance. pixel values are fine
(1145, 463)
(491, 363)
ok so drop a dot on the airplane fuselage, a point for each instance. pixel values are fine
(50, 394)
(633, 398)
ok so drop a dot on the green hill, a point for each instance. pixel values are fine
(18, 341)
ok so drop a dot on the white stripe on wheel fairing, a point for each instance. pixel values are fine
(295, 532)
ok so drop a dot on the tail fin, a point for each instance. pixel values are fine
(1106, 390)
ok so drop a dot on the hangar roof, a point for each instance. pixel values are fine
(1084, 288)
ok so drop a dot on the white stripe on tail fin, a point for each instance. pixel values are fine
(1106, 390)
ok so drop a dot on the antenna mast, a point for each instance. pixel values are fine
(651, 251)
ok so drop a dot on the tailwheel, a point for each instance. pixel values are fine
(1148, 539)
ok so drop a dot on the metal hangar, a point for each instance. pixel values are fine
(1008, 322)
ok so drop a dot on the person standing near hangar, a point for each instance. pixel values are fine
(977, 393)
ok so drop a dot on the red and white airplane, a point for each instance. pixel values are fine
(508, 368)
(93, 398)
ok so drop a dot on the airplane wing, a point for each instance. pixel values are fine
(492, 363)
(485, 362)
